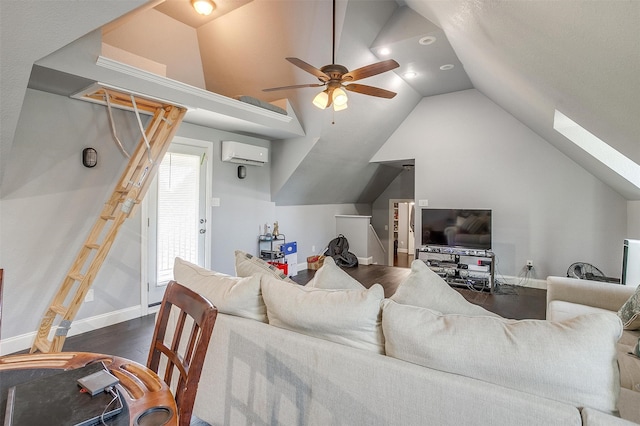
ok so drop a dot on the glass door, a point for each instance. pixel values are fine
(177, 219)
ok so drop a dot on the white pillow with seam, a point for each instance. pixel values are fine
(425, 288)
(573, 361)
(349, 317)
(331, 276)
(247, 264)
(231, 295)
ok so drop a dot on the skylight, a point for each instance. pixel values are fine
(599, 149)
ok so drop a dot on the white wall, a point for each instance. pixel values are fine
(50, 201)
(156, 36)
(245, 206)
(472, 154)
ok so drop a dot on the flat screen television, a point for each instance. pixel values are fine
(457, 228)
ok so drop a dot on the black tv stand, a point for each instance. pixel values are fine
(461, 267)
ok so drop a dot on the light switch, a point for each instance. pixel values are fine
(215, 202)
(423, 203)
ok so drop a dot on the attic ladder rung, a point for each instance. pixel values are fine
(126, 196)
(76, 276)
(58, 309)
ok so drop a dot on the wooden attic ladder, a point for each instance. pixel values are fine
(128, 193)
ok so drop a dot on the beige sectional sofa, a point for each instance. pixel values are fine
(569, 297)
(335, 353)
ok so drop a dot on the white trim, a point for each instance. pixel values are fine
(365, 260)
(24, 341)
(186, 88)
(530, 283)
(144, 257)
(144, 231)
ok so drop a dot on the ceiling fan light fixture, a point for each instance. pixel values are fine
(203, 7)
(339, 97)
(321, 100)
(337, 107)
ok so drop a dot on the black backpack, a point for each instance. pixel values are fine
(338, 249)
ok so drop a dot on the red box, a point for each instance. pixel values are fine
(284, 267)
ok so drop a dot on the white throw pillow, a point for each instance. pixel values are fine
(573, 361)
(247, 265)
(349, 317)
(426, 289)
(331, 276)
(231, 295)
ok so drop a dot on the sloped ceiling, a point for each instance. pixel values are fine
(530, 57)
(533, 57)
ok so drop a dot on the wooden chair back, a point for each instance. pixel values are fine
(189, 328)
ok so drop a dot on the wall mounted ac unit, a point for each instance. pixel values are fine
(236, 152)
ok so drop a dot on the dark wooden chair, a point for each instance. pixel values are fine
(180, 361)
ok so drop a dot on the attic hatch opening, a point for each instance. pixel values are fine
(113, 97)
(596, 147)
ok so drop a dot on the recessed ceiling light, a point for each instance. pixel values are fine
(447, 67)
(410, 74)
(427, 40)
(384, 51)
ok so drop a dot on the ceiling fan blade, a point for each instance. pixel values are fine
(309, 68)
(370, 70)
(370, 90)
(296, 86)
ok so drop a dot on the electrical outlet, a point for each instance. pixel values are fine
(530, 263)
(313, 249)
(89, 296)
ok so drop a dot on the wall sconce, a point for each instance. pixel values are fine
(203, 7)
(89, 157)
(242, 172)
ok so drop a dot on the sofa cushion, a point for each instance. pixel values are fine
(247, 265)
(426, 289)
(629, 313)
(231, 295)
(573, 361)
(559, 310)
(331, 276)
(350, 317)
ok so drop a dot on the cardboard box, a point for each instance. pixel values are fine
(315, 262)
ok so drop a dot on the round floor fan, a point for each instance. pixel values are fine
(584, 271)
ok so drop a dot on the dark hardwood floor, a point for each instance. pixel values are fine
(131, 339)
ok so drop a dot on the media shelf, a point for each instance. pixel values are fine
(462, 267)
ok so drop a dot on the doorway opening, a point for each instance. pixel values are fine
(401, 232)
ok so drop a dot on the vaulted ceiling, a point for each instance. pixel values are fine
(530, 57)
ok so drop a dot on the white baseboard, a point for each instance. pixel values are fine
(518, 281)
(24, 341)
(365, 260)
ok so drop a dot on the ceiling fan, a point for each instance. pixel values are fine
(334, 77)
